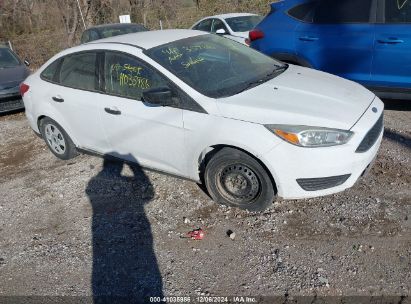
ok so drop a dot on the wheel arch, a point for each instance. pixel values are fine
(208, 153)
(61, 122)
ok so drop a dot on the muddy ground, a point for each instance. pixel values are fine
(84, 227)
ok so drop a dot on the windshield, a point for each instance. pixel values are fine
(116, 31)
(8, 59)
(244, 23)
(216, 66)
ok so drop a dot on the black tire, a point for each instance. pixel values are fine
(59, 143)
(236, 179)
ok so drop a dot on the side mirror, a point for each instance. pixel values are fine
(159, 97)
(26, 62)
(221, 32)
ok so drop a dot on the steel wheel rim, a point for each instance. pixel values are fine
(239, 184)
(55, 139)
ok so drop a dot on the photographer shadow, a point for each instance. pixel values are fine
(125, 268)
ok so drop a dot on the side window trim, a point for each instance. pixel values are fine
(374, 12)
(380, 11)
(212, 25)
(190, 104)
(101, 55)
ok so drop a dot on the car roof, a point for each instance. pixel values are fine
(226, 16)
(114, 25)
(148, 40)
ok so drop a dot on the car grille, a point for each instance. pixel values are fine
(372, 136)
(315, 184)
(11, 103)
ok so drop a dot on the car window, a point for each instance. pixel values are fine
(49, 73)
(78, 71)
(216, 66)
(343, 11)
(127, 76)
(204, 26)
(116, 31)
(85, 37)
(218, 25)
(8, 59)
(243, 23)
(94, 36)
(397, 11)
(302, 12)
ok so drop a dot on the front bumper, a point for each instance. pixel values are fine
(312, 172)
(10, 101)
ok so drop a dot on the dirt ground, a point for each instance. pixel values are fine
(86, 227)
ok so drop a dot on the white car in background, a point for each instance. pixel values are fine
(234, 26)
(206, 108)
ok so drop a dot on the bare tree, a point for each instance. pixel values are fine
(70, 17)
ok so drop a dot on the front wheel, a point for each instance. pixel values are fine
(59, 143)
(236, 179)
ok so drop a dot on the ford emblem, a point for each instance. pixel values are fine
(375, 110)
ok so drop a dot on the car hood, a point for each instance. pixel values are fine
(300, 96)
(12, 77)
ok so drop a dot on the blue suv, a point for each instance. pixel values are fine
(368, 41)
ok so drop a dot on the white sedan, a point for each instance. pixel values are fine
(234, 26)
(203, 107)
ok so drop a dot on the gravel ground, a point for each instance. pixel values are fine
(88, 227)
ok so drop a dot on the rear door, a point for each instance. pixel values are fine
(338, 38)
(392, 53)
(76, 98)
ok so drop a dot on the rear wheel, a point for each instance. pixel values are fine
(236, 179)
(59, 143)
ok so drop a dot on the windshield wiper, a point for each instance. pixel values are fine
(277, 70)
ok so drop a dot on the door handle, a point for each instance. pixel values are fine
(114, 111)
(391, 41)
(309, 38)
(57, 99)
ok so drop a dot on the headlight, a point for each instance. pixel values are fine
(304, 136)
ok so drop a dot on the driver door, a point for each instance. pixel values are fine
(153, 135)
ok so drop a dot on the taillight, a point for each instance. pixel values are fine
(255, 35)
(24, 89)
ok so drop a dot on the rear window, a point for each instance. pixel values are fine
(110, 32)
(302, 12)
(49, 73)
